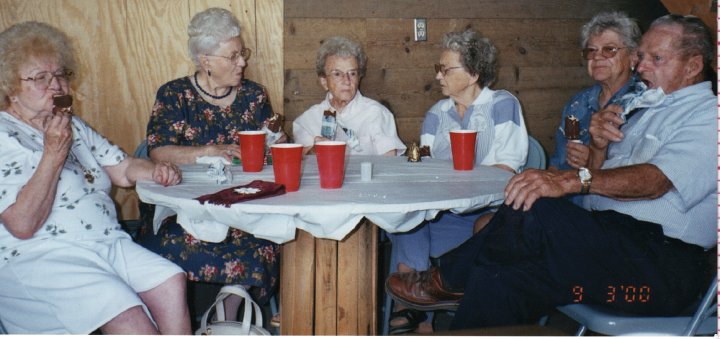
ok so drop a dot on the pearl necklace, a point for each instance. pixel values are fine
(216, 97)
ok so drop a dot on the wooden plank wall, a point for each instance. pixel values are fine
(538, 43)
(127, 48)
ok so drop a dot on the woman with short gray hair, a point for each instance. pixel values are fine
(200, 116)
(342, 47)
(467, 67)
(609, 44)
(367, 126)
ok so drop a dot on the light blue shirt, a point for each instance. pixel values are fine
(679, 137)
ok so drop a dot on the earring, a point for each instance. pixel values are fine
(632, 68)
(209, 73)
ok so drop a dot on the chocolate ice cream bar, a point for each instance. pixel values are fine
(572, 128)
(62, 103)
(275, 123)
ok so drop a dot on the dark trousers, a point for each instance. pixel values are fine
(523, 264)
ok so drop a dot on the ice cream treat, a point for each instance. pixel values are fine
(572, 128)
(62, 103)
(329, 125)
(273, 127)
(274, 124)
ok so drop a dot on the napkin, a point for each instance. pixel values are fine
(641, 97)
(217, 170)
(257, 189)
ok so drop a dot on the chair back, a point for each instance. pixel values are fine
(536, 155)
(141, 151)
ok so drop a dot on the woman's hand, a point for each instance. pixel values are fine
(166, 174)
(577, 154)
(58, 135)
(282, 139)
(225, 151)
(311, 150)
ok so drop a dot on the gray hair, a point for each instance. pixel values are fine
(478, 55)
(342, 47)
(696, 38)
(208, 29)
(617, 22)
(24, 42)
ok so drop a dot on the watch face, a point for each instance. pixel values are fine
(584, 174)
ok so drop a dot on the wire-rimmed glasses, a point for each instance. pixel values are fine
(338, 76)
(606, 52)
(42, 80)
(233, 58)
(442, 69)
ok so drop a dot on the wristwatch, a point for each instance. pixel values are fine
(585, 179)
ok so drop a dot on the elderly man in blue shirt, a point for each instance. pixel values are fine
(649, 209)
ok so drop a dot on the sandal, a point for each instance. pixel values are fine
(275, 320)
(413, 317)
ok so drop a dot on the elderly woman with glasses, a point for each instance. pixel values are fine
(609, 42)
(466, 70)
(201, 115)
(67, 266)
(345, 114)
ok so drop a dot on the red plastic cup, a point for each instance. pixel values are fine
(463, 148)
(331, 163)
(252, 150)
(286, 165)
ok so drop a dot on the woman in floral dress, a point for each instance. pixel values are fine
(202, 115)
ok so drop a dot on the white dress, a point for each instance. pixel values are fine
(80, 269)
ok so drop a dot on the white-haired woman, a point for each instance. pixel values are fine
(466, 70)
(367, 126)
(201, 115)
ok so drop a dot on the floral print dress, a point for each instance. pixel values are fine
(182, 117)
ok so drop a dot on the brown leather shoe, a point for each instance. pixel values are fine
(422, 291)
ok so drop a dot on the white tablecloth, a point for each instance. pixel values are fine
(399, 197)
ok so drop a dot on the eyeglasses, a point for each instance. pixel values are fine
(339, 76)
(43, 80)
(244, 53)
(441, 69)
(606, 51)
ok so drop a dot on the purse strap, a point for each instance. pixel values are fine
(219, 307)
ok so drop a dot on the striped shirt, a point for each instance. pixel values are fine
(679, 137)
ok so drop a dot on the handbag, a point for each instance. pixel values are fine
(228, 327)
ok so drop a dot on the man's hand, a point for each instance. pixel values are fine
(532, 184)
(605, 127)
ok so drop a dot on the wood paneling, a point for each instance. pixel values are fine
(127, 48)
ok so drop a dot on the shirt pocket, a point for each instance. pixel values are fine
(646, 149)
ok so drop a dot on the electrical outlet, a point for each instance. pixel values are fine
(420, 29)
